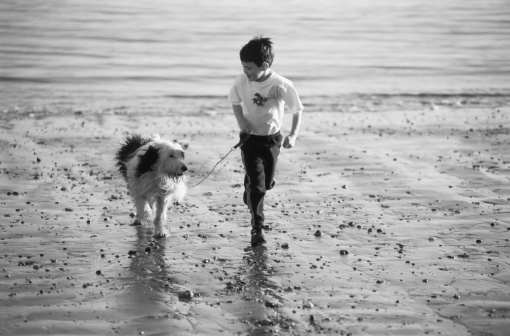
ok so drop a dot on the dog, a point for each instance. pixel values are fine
(154, 172)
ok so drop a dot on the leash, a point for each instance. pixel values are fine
(223, 158)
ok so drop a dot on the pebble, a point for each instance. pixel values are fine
(344, 252)
(308, 305)
(186, 295)
(285, 245)
(318, 233)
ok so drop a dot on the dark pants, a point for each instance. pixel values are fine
(260, 154)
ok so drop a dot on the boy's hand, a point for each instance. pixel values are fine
(289, 141)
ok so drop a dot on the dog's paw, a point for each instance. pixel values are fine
(161, 234)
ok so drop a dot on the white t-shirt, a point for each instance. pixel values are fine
(264, 102)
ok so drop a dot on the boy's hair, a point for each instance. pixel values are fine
(258, 51)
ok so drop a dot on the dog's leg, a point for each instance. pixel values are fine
(160, 229)
(143, 211)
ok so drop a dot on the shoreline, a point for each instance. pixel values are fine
(197, 105)
(416, 193)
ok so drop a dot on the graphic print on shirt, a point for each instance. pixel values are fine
(273, 94)
(259, 100)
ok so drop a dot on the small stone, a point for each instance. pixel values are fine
(318, 233)
(98, 272)
(344, 252)
(186, 295)
(478, 241)
(285, 245)
(308, 305)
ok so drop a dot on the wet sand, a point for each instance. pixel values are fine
(390, 217)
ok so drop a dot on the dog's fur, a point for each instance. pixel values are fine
(154, 171)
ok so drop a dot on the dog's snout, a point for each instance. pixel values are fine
(184, 168)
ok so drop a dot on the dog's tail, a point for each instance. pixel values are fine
(128, 148)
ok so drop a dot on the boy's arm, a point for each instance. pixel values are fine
(243, 124)
(290, 139)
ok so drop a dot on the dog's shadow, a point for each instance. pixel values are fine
(148, 262)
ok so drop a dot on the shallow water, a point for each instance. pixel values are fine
(122, 52)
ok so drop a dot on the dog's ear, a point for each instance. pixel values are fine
(147, 161)
(184, 145)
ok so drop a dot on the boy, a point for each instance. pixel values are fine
(258, 99)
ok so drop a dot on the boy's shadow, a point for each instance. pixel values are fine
(263, 312)
(256, 275)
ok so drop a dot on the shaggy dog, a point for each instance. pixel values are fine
(154, 171)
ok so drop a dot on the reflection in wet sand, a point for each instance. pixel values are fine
(149, 295)
(260, 304)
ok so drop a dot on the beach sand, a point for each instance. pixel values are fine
(390, 217)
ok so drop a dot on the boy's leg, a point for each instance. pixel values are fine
(271, 158)
(254, 184)
(260, 164)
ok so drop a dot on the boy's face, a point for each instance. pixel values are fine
(254, 72)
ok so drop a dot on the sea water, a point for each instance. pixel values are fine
(126, 51)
